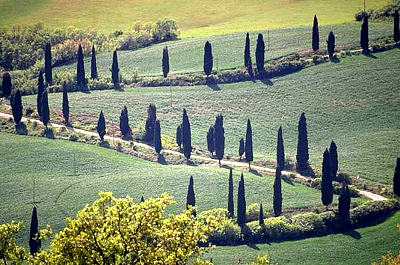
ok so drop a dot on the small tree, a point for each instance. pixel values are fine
(280, 153)
(101, 126)
(165, 62)
(302, 144)
(80, 68)
(261, 221)
(326, 181)
(315, 35)
(186, 135)
(124, 122)
(191, 199)
(210, 140)
(157, 137)
(115, 71)
(17, 107)
(151, 119)
(6, 84)
(219, 137)
(396, 31)
(344, 202)
(241, 208)
(364, 36)
(249, 143)
(331, 44)
(396, 178)
(65, 104)
(34, 242)
(260, 53)
(231, 207)
(208, 58)
(247, 50)
(47, 64)
(241, 148)
(142, 199)
(277, 203)
(45, 118)
(40, 93)
(250, 69)
(93, 65)
(179, 136)
(334, 159)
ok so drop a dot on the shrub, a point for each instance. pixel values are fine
(372, 212)
(227, 234)
(73, 137)
(311, 223)
(252, 212)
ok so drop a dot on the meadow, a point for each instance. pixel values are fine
(354, 102)
(196, 18)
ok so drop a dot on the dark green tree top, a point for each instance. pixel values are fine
(344, 201)
(211, 140)
(277, 200)
(101, 126)
(261, 221)
(334, 159)
(65, 105)
(208, 58)
(40, 93)
(17, 107)
(302, 155)
(396, 31)
(80, 68)
(280, 153)
(190, 199)
(157, 137)
(396, 178)
(219, 137)
(241, 208)
(331, 44)
(231, 207)
(47, 64)
(247, 50)
(186, 135)
(6, 84)
(249, 143)
(179, 136)
(34, 244)
(326, 182)
(115, 70)
(45, 118)
(315, 35)
(260, 53)
(364, 35)
(165, 61)
(241, 147)
(93, 65)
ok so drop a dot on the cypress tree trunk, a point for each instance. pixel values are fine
(80, 68)
(326, 182)
(165, 62)
(65, 105)
(6, 84)
(261, 218)
(17, 107)
(247, 50)
(34, 244)
(186, 135)
(47, 64)
(179, 136)
(115, 71)
(219, 137)
(124, 122)
(396, 33)
(249, 143)
(241, 148)
(334, 159)
(331, 44)
(93, 65)
(344, 202)
(210, 140)
(315, 35)
(364, 36)
(396, 178)
(280, 153)
(277, 203)
(45, 118)
(241, 208)
(260, 54)
(190, 199)
(231, 207)
(302, 144)
(151, 119)
(208, 58)
(157, 137)
(101, 126)
(40, 93)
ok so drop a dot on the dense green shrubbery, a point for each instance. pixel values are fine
(379, 14)
(372, 212)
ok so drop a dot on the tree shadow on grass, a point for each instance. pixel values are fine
(267, 82)
(211, 83)
(353, 233)
(225, 166)
(105, 144)
(253, 246)
(370, 55)
(161, 160)
(255, 172)
(335, 60)
(287, 179)
(191, 163)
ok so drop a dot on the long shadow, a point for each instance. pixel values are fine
(213, 86)
(253, 246)
(105, 144)
(255, 172)
(191, 163)
(267, 82)
(308, 172)
(353, 233)
(225, 166)
(370, 55)
(161, 160)
(335, 60)
(287, 180)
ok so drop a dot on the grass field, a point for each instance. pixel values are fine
(187, 55)
(196, 18)
(354, 102)
(363, 246)
(62, 194)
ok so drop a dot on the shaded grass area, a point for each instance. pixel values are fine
(362, 246)
(354, 102)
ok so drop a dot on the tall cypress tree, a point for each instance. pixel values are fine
(334, 159)
(6, 84)
(179, 136)
(17, 107)
(47, 64)
(157, 137)
(331, 44)
(45, 118)
(260, 53)
(231, 207)
(124, 122)
(250, 69)
(302, 144)
(277, 203)
(396, 31)
(210, 140)
(249, 143)
(93, 65)
(191, 199)
(208, 58)
(241, 206)
(344, 201)
(326, 182)
(34, 244)
(65, 104)
(115, 70)
(261, 221)
(165, 62)
(186, 135)
(396, 178)
(151, 119)
(241, 148)
(280, 153)
(101, 126)
(80, 68)
(364, 36)
(315, 35)
(40, 93)
(247, 50)
(219, 137)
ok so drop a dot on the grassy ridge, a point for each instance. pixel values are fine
(196, 18)
(363, 246)
(354, 102)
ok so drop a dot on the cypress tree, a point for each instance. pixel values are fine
(364, 35)
(278, 193)
(331, 44)
(190, 199)
(344, 201)
(47, 64)
(334, 159)
(34, 244)
(101, 126)
(261, 221)
(80, 68)
(241, 148)
(124, 122)
(93, 65)
(151, 119)
(302, 144)
(115, 71)
(45, 118)
(249, 143)
(241, 208)
(396, 33)
(280, 153)
(247, 50)
(17, 107)
(65, 104)
(208, 58)
(165, 62)
(157, 137)
(40, 93)
(179, 136)
(396, 178)
(260, 53)
(186, 135)
(315, 35)
(6, 84)
(219, 137)
(142, 199)
(250, 69)
(231, 207)
(210, 140)
(326, 182)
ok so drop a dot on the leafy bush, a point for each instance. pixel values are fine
(384, 13)
(227, 234)
(252, 212)
(73, 137)
(372, 212)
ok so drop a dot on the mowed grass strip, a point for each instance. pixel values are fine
(196, 18)
(354, 102)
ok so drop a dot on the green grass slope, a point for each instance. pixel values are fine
(363, 246)
(62, 194)
(187, 55)
(354, 102)
(195, 17)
